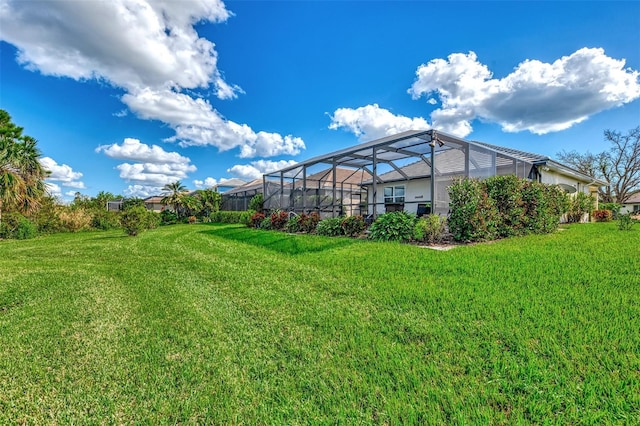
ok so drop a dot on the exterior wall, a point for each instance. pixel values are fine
(551, 178)
(419, 191)
(415, 192)
(630, 208)
(156, 207)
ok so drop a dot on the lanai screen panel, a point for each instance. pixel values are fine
(451, 162)
(304, 188)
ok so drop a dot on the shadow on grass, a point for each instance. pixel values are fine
(279, 241)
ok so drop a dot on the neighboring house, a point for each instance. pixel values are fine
(229, 184)
(632, 205)
(154, 203)
(400, 169)
(237, 199)
(115, 205)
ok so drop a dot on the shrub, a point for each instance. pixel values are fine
(330, 227)
(227, 216)
(266, 223)
(430, 229)
(105, 220)
(279, 219)
(310, 222)
(46, 218)
(614, 207)
(503, 206)
(579, 205)
(256, 220)
(393, 226)
(625, 222)
(16, 226)
(603, 215)
(168, 217)
(137, 219)
(256, 202)
(506, 192)
(474, 216)
(353, 226)
(74, 220)
(26, 229)
(544, 205)
(192, 219)
(294, 223)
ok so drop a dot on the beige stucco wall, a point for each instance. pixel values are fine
(416, 192)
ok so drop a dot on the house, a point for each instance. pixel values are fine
(229, 184)
(238, 198)
(154, 203)
(400, 169)
(312, 192)
(632, 205)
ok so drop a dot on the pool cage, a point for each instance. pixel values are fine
(237, 199)
(391, 173)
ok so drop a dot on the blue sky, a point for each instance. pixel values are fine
(128, 95)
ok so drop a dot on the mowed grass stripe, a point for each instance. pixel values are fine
(223, 324)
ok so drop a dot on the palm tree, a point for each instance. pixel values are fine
(172, 192)
(210, 199)
(21, 174)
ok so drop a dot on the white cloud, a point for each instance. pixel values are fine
(141, 191)
(62, 173)
(152, 166)
(130, 43)
(196, 122)
(207, 183)
(53, 189)
(271, 144)
(256, 169)
(134, 150)
(538, 97)
(148, 48)
(372, 122)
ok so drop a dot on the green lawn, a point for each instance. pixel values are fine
(228, 325)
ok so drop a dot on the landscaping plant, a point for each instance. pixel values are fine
(603, 215)
(625, 222)
(330, 227)
(352, 226)
(430, 229)
(137, 219)
(580, 204)
(393, 226)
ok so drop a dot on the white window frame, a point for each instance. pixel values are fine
(394, 194)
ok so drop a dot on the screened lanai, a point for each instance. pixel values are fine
(391, 173)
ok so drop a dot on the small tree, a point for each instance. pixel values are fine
(172, 192)
(580, 205)
(137, 219)
(256, 203)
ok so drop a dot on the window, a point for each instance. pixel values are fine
(394, 194)
(636, 208)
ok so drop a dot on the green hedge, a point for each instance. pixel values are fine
(503, 206)
(225, 216)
